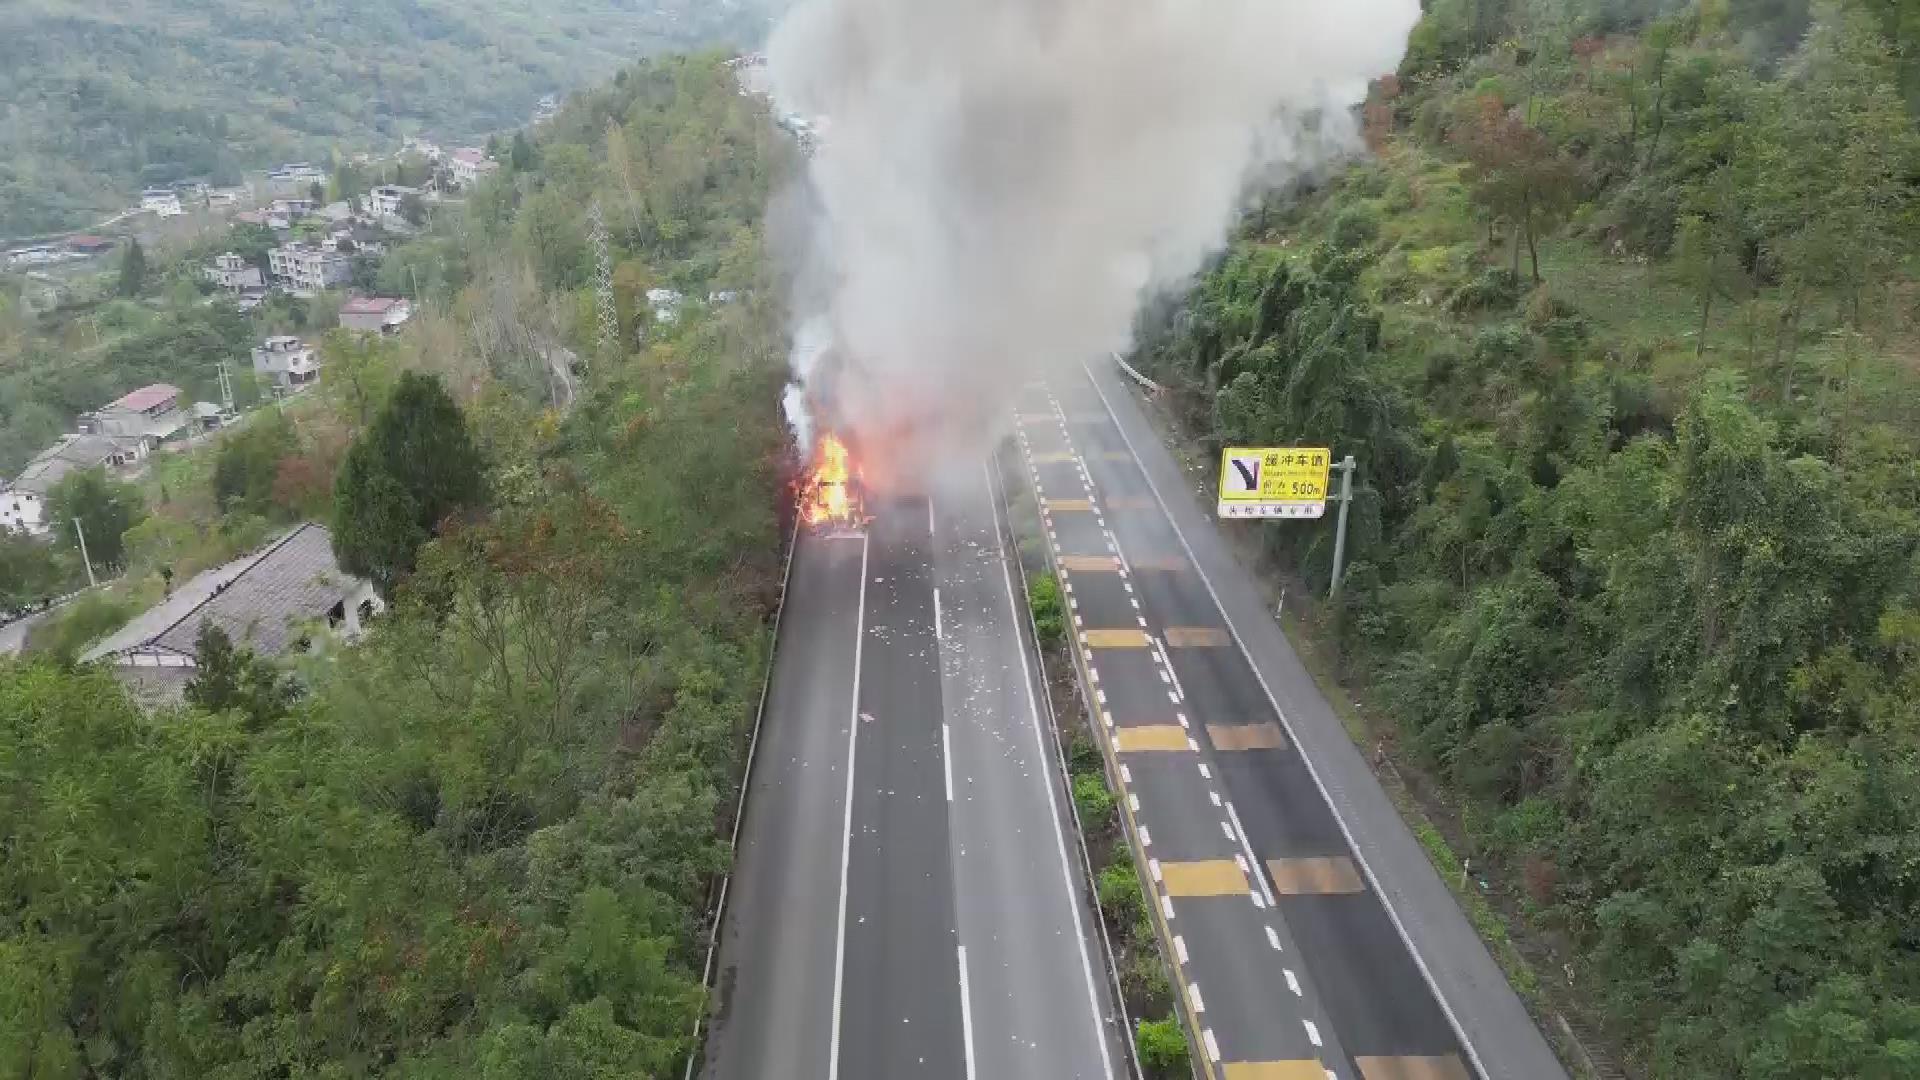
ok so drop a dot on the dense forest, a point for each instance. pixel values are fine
(479, 842)
(1618, 319)
(104, 98)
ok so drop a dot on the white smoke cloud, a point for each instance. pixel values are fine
(1001, 183)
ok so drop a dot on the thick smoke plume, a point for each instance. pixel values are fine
(1000, 183)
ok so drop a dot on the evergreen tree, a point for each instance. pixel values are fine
(412, 469)
(133, 270)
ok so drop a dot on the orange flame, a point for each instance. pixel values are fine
(830, 497)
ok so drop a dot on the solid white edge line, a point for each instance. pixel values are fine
(846, 828)
(1059, 840)
(1393, 916)
(946, 756)
(1246, 845)
(966, 1012)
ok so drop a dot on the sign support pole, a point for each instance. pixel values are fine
(1346, 468)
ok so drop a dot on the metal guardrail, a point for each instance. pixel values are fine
(1134, 374)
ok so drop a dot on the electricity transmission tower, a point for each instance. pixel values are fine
(603, 280)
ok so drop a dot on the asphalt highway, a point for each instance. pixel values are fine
(905, 900)
(1290, 964)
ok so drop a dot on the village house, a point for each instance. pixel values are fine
(468, 165)
(384, 201)
(375, 314)
(280, 600)
(164, 202)
(23, 502)
(303, 267)
(288, 363)
(152, 413)
(235, 274)
(294, 178)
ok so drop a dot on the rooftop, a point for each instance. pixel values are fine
(259, 600)
(71, 454)
(369, 305)
(146, 398)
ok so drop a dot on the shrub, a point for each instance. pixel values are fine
(1120, 895)
(1162, 1046)
(1496, 289)
(1049, 619)
(1144, 979)
(1094, 801)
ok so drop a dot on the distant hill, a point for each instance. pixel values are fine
(96, 99)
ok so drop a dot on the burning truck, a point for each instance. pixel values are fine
(833, 498)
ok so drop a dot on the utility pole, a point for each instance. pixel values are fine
(1346, 468)
(603, 280)
(84, 557)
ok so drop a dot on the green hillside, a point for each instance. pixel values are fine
(1618, 321)
(103, 97)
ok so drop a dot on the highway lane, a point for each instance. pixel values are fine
(1040, 1007)
(900, 988)
(773, 994)
(880, 926)
(1346, 886)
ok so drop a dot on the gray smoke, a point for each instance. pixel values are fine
(1000, 183)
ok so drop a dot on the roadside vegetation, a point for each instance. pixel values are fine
(1618, 320)
(481, 841)
(1123, 901)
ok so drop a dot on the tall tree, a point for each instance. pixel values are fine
(133, 270)
(402, 478)
(105, 508)
(1518, 175)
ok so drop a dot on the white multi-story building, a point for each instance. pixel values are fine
(469, 164)
(233, 273)
(289, 363)
(383, 202)
(310, 269)
(164, 202)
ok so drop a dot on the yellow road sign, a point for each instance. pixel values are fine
(1274, 481)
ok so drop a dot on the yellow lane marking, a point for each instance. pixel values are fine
(1172, 564)
(1313, 876)
(1055, 505)
(1204, 877)
(1142, 737)
(1053, 458)
(1195, 637)
(1114, 455)
(1089, 564)
(1300, 1069)
(1246, 736)
(1129, 502)
(1444, 1067)
(1119, 637)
